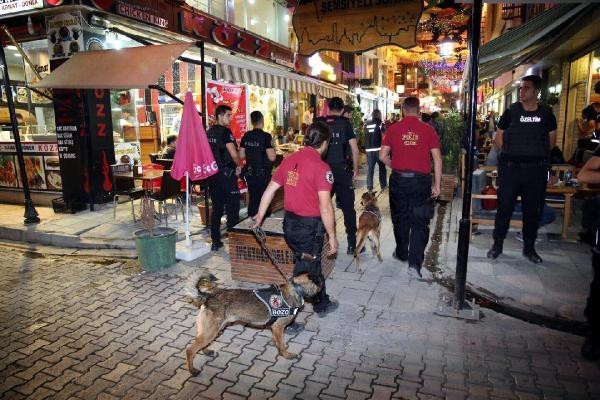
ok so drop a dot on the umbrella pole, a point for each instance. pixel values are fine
(188, 241)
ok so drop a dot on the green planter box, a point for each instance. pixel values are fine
(158, 251)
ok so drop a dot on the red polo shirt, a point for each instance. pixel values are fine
(303, 175)
(411, 141)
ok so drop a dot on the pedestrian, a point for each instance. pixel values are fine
(407, 148)
(590, 174)
(342, 157)
(373, 136)
(348, 112)
(168, 152)
(308, 116)
(307, 181)
(257, 148)
(526, 132)
(223, 187)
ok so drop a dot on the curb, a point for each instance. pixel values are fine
(488, 299)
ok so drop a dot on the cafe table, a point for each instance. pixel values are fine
(568, 192)
(147, 176)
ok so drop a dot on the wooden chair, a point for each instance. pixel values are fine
(488, 217)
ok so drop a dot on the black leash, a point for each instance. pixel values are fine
(261, 237)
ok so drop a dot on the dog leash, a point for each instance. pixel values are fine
(261, 237)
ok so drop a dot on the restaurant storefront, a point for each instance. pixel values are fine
(140, 119)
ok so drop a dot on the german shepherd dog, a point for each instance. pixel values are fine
(369, 226)
(222, 307)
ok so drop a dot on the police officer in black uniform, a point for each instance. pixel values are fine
(257, 148)
(224, 191)
(342, 157)
(526, 133)
(590, 174)
(373, 135)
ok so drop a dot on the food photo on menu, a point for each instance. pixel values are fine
(8, 171)
(35, 172)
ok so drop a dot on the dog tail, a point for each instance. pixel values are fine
(200, 285)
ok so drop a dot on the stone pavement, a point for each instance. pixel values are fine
(98, 329)
(557, 288)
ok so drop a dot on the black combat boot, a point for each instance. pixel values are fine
(496, 249)
(529, 251)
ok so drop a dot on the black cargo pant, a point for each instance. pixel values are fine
(305, 235)
(343, 189)
(592, 309)
(225, 196)
(409, 198)
(529, 181)
(257, 183)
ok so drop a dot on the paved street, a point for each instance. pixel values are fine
(85, 328)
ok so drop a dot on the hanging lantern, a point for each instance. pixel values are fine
(446, 48)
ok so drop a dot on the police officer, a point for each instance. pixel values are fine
(412, 143)
(342, 157)
(373, 134)
(526, 133)
(224, 191)
(307, 182)
(590, 173)
(257, 148)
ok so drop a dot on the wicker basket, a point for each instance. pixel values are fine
(447, 187)
(250, 263)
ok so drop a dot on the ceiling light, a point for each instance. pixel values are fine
(253, 21)
(251, 2)
(11, 47)
(446, 48)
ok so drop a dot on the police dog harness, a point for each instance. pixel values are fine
(273, 299)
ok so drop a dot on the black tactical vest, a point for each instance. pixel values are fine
(373, 134)
(217, 140)
(527, 137)
(256, 149)
(338, 150)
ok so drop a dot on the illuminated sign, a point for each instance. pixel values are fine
(14, 6)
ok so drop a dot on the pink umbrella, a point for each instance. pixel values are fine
(193, 159)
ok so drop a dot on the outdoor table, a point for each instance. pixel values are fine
(568, 192)
(147, 176)
(250, 262)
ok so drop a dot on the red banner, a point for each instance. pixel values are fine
(234, 96)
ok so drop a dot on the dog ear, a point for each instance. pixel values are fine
(374, 194)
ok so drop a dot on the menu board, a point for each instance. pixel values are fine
(41, 164)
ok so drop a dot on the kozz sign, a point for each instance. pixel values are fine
(225, 35)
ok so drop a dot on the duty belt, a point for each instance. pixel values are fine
(410, 174)
(526, 164)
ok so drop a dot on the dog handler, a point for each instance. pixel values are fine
(306, 181)
(407, 148)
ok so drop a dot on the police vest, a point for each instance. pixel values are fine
(527, 135)
(217, 140)
(337, 152)
(373, 135)
(256, 150)
(273, 299)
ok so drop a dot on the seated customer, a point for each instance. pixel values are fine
(169, 150)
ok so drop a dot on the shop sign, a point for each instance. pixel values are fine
(219, 32)
(321, 66)
(14, 6)
(65, 35)
(355, 25)
(234, 96)
(135, 12)
(41, 164)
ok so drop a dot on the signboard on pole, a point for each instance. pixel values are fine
(234, 96)
(355, 25)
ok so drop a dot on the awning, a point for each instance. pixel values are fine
(130, 68)
(518, 45)
(238, 69)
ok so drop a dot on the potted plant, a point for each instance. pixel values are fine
(453, 128)
(155, 245)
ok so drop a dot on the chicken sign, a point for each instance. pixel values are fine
(355, 25)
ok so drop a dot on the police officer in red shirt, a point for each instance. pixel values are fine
(407, 148)
(307, 182)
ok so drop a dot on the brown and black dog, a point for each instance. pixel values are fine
(369, 226)
(222, 307)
